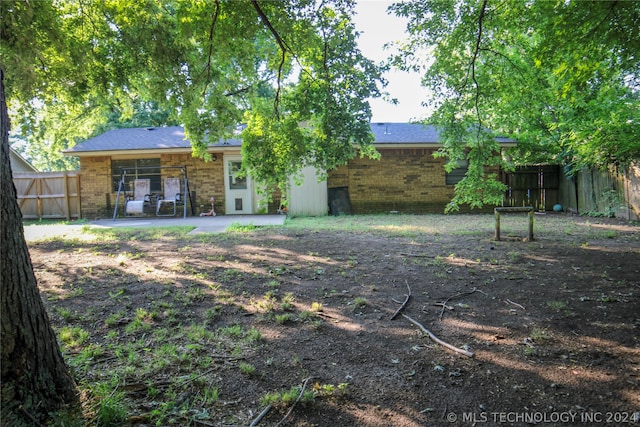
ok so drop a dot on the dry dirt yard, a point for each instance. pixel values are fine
(164, 328)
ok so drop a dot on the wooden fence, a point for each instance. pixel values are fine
(536, 186)
(48, 194)
(609, 192)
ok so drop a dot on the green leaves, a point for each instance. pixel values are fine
(291, 69)
(559, 77)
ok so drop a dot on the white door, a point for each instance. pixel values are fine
(238, 191)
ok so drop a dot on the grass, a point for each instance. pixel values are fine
(111, 409)
(414, 226)
(360, 302)
(236, 227)
(43, 221)
(144, 341)
(73, 337)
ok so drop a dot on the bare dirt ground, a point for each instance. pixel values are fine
(208, 330)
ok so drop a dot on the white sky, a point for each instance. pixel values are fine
(378, 28)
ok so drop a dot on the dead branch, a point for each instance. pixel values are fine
(31, 417)
(197, 422)
(404, 304)
(514, 303)
(411, 254)
(304, 385)
(319, 313)
(260, 416)
(438, 340)
(444, 303)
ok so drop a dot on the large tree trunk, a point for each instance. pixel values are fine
(35, 379)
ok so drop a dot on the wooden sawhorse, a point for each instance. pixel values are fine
(523, 209)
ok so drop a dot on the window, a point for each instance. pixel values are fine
(236, 182)
(136, 169)
(456, 175)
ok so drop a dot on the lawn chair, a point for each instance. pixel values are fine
(141, 198)
(172, 196)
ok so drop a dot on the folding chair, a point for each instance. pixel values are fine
(141, 198)
(172, 196)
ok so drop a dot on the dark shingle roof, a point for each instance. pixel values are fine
(404, 133)
(140, 139)
(173, 138)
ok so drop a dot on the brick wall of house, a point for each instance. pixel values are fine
(95, 187)
(206, 179)
(408, 180)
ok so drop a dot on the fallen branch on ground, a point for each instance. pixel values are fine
(444, 303)
(31, 417)
(260, 416)
(404, 304)
(304, 385)
(417, 255)
(514, 303)
(438, 340)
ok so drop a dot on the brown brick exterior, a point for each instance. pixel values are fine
(407, 180)
(96, 180)
(206, 179)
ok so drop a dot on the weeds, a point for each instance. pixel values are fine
(111, 409)
(557, 305)
(247, 369)
(360, 303)
(284, 318)
(73, 337)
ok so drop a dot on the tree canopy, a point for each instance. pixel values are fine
(560, 77)
(290, 70)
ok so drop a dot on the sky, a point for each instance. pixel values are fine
(378, 28)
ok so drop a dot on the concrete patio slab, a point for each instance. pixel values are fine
(203, 224)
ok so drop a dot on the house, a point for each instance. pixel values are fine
(19, 163)
(407, 178)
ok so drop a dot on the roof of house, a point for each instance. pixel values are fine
(168, 138)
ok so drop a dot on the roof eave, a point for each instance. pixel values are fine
(147, 151)
(427, 144)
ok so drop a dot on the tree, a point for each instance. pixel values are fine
(35, 379)
(560, 77)
(216, 64)
(291, 69)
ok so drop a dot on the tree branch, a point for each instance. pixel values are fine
(283, 48)
(211, 30)
(304, 386)
(404, 304)
(473, 63)
(436, 339)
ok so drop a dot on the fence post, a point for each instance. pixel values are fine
(38, 198)
(67, 204)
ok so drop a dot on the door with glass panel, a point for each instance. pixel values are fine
(238, 190)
